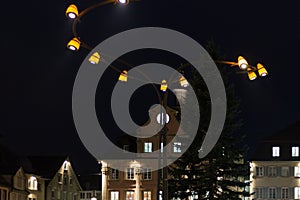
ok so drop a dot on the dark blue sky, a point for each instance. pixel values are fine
(37, 71)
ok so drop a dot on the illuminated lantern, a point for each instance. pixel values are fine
(123, 76)
(183, 82)
(163, 86)
(72, 11)
(261, 70)
(74, 44)
(243, 64)
(251, 74)
(95, 58)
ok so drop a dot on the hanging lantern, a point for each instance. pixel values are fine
(163, 86)
(261, 70)
(72, 11)
(183, 82)
(95, 58)
(123, 76)
(243, 64)
(251, 74)
(74, 44)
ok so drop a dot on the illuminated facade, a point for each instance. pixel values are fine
(275, 168)
(136, 181)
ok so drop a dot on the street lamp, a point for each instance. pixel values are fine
(73, 13)
(246, 68)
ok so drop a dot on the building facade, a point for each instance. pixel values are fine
(275, 167)
(138, 181)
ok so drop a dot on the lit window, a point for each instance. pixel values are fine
(130, 173)
(272, 171)
(114, 195)
(147, 174)
(146, 195)
(297, 193)
(32, 183)
(295, 151)
(82, 195)
(114, 174)
(129, 195)
(259, 171)
(284, 193)
(297, 171)
(272, 193)
(148, 147)
(275, 151)
(160, 118)
(59, 178)
(285, 171)
(177, 147)
(126, 147)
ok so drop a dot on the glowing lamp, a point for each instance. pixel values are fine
(163, 86)
(74, 44)
(95, 58)
(261, 70)
(123, 1)
(243, 64)
(183, 82)
(72, 11)
(123, 76)
(251, 74)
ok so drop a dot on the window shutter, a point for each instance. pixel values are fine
(278, 193)
(291, 171)
(265, 193)
(291, 192)
(266, 169)
(279, 171)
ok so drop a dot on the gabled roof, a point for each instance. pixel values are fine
(46, 166)
(285, 139)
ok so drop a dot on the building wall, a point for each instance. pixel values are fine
(276, 176)
(64, 185)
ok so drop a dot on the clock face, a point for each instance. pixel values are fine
(161, 119)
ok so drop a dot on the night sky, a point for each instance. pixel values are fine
(37, 70)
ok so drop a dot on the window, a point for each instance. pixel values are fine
(295, 151)
(58, 194)
(114, 195)
(114, 174)
(82, 195)
(32, 183)
(161, 147)
(129, 195)
(88, 195)
(64, 195)
(272, 171)
(70, 180)
(147, 175)
(148, 147)
(65, 179)
(177, 147)
(297, 171)
(52, 194)
(275, 151)
(146, 195)
(75, 196)
(285, 171)
(59, 178)
(297, 193)
(284, 193)
(259, 171)
(130, 173)
(272, 193)
(126, 147)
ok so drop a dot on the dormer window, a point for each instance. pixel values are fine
(295, 151)
(32, 183)
(275, 151)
